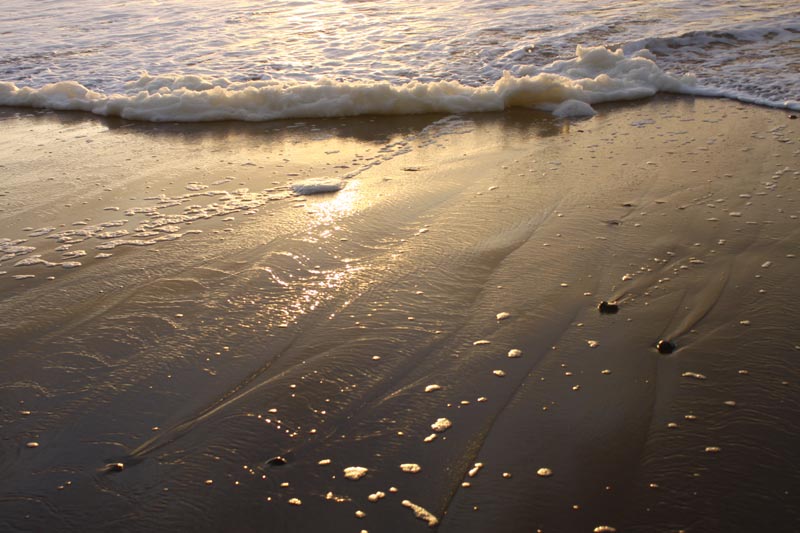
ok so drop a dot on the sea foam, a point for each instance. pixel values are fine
(317, 186)
(595, 75)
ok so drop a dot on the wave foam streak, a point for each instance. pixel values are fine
(595, 75)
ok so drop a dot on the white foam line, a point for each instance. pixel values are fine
(596, 74)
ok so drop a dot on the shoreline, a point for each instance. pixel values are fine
(251, 330)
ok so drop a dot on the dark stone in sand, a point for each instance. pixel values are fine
(115, 467)
(665, 346)
(608, 307)
(277, 461)
(792, 117)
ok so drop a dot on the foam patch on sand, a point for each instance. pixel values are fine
(318, 186)
(596, 74)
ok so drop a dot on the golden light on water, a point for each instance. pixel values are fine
(337, 205)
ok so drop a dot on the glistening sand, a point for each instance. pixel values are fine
(247, 345)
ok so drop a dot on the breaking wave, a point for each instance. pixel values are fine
(565, 87)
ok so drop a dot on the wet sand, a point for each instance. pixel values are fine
(188, 344)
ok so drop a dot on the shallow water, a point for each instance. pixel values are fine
(200, 61)
(239, 367)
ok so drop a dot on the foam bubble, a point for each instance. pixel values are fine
(573, 108)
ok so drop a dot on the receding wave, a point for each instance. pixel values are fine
(566, 88)
(747, 63)
(727, 38)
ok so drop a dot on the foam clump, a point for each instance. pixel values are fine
(41, 231)
(10, 249)
(317, 186)
(441, 424)
(355, 472)
(421, 513)
(475, 469)
(34, 260)
(573, 109)
(410, 468)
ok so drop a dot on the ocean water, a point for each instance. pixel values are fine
(242, 60)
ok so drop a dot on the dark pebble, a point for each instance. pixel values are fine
(608, 307)
(665, 346)
(792, 117)
(277, 461)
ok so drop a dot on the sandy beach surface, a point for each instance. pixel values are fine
(191, 342)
